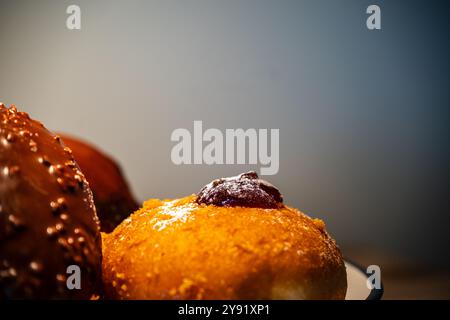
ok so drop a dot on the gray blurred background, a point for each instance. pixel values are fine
(363, 115)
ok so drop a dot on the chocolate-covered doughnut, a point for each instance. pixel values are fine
(112, 195)
(47, 215)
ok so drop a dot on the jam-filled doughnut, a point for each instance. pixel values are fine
(235, 239)
(47, 216)
(112, 196)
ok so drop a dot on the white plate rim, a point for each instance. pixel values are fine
(374, 294)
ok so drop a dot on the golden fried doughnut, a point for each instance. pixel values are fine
(189, 249)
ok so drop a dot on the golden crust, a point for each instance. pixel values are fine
(181, 250)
